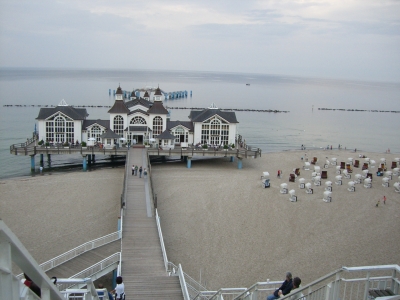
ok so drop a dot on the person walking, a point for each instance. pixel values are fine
(145, 173)
(140, 172)
(384, 199)
(133, 170)
(377, 204)
(136, 168)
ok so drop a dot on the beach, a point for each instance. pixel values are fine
(52, 214)
(221, 224)
(219, 221)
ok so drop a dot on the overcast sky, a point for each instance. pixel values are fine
(355, 39)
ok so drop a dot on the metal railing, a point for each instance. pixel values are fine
(92, 270)
(27, 149)
(242, 152)
(12, 250)
(170, 268)
(58, 260)
(160, 235)
(355, 286)
(193, 287)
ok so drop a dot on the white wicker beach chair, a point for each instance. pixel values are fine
(351, 187)
(338, 180)
(328, 185)
(309, 190)
(284, 189)
(367, 183)
(293, 197)
(327, 196)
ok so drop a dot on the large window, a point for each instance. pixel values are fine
(95, 132)
(138, 120)
(60, 129)
(157, 126)
(181, 136)
(215, 132)
(119, 125)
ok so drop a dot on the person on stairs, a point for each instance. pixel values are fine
(119, 290)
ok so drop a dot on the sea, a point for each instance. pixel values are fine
(314, 112)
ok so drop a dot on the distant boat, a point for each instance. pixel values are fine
(247, 83)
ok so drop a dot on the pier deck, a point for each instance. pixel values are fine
(143, 268)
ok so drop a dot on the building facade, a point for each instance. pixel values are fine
(137, 120)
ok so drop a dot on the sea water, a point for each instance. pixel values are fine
(302, 123)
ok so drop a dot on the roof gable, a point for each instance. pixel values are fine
(119, 107)
(158, 109)
(206, 114)
(102, 123)
(69, 111)
(173, 124)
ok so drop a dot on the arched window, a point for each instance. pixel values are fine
(138, 120)
(215, 132)
(157, 125)
(119, 125)
(60, 129)
(180, 135)
(95, 132)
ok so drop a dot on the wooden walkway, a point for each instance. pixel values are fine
(143, 268)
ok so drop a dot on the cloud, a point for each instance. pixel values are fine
(275, 36)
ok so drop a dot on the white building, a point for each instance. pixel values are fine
(137, 120)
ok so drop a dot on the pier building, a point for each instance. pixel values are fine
(138, 120)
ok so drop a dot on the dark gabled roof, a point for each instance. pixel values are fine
(138, 111)
(146, 94)
(166, 136)
(103, 123)
(119, 90)
(158, 109)
(138, 101)
(72, 112)
(203, 115)
(133, 94)
(138, 128)
(173, 124)
(110, 135)
(119, 107)
(158, 92)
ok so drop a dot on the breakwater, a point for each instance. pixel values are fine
(167, 107)
(365, 110)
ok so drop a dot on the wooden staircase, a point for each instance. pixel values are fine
(85, 260)
(143, 268)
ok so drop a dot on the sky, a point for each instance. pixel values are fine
(349, 39)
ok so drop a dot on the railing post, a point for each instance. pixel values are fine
(367, 285)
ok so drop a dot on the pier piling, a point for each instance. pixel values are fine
(84, 165)
(239, 163)
(32, 163)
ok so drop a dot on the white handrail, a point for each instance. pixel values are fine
(183, 283)
(164, 253)
(62, 258)
(88, 272)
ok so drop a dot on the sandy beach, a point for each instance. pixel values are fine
(52, 214)
(219, 221)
